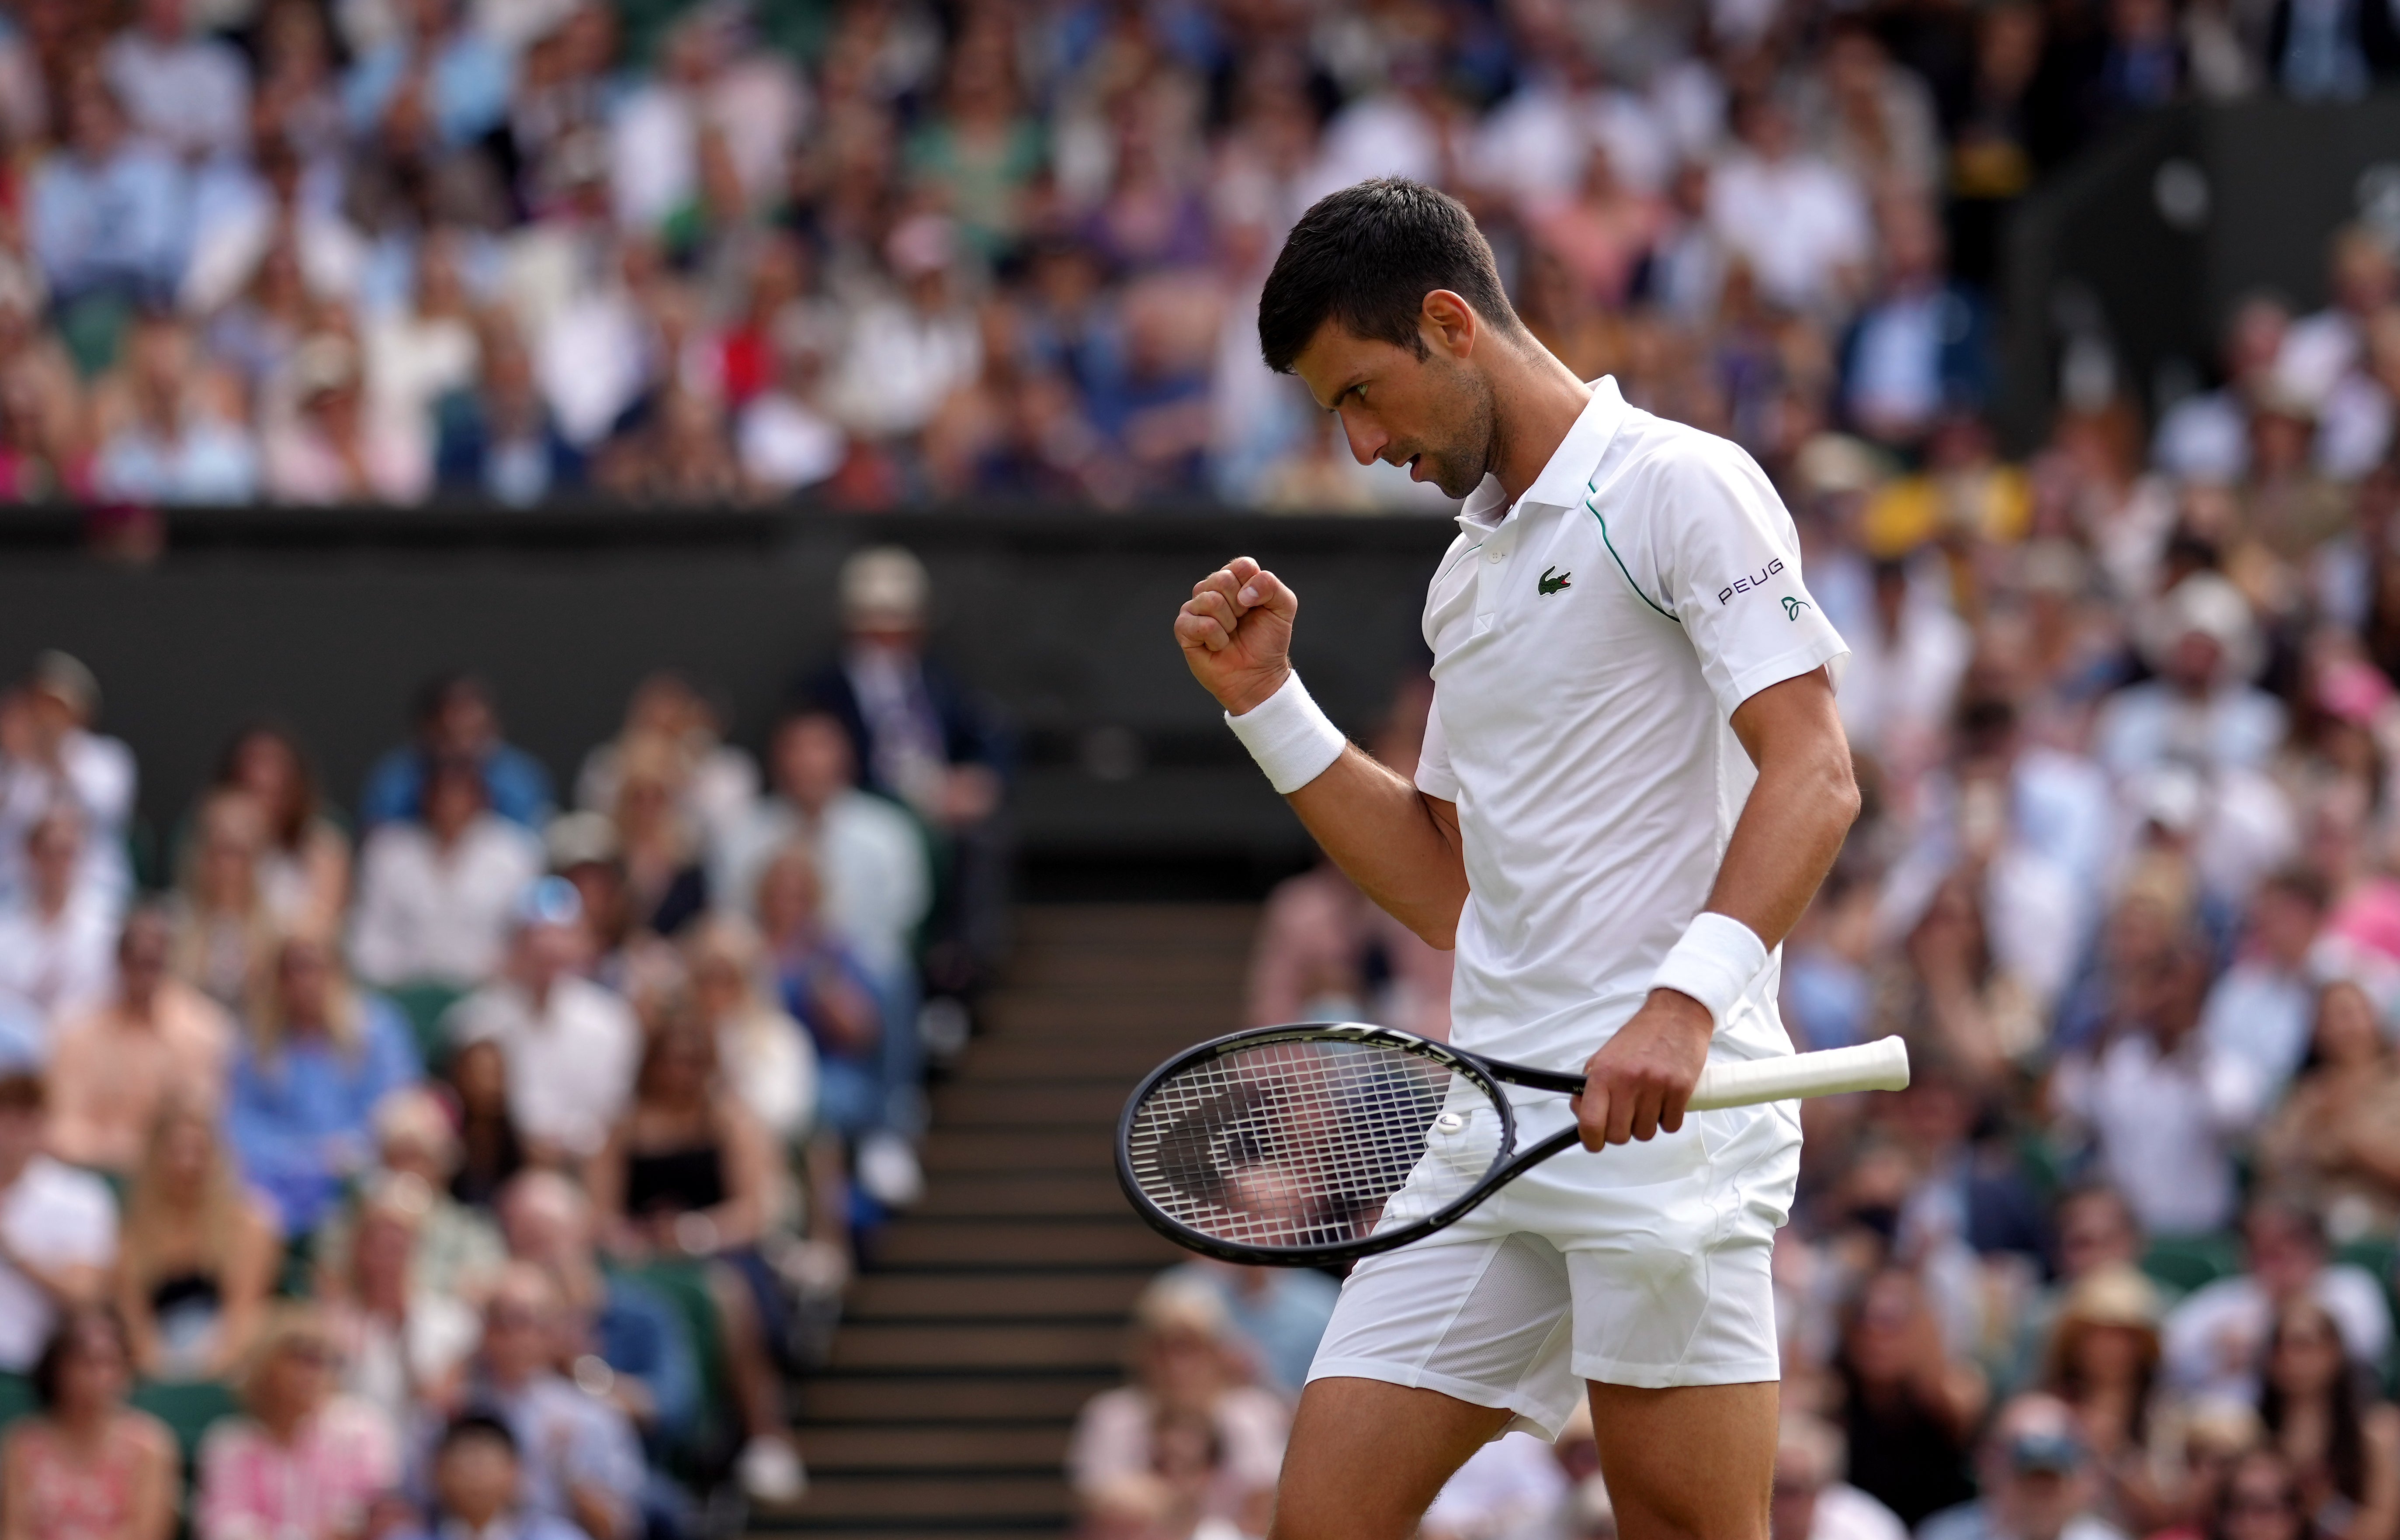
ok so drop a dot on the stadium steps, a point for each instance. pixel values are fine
(990, 1312)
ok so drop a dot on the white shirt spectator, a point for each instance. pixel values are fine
(60, 964)
(2204, 438)
(1797, 222)
(1843, 1512)
(191, 95)
(61, 1217)
(96, 773)
(869, 856)
(2261, 1013)
(593, 359)
(2149, 724)
(2212, 1341)
(1507, 1485)
(1535, 144)
(1898, 693)
(898, 365)
(426, 913)
(785, 443)
(1382, 134)
(570, 1060)
(2165, 1124)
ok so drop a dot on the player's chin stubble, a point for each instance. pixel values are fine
(1459, 467)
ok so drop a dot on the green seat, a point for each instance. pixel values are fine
(17, 1398)
(189, 1409)
(2186, 1262)
(685, 1286)
(424, 1005)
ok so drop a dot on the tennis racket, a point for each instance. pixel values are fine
(1313, 1144)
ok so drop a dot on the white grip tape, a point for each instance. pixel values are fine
(1292, 740)
(1714, 963)
(1880, 1065)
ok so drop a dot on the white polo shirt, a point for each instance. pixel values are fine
(1590, 646)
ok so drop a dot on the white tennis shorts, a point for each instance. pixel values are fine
(1642, 1265)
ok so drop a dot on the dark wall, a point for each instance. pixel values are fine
(2152, 237)
(331, 619)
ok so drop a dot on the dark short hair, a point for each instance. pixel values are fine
(470, 1426)
(53, 1361)
(1366, 257)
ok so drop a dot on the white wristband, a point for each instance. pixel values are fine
(1713, 963)
(1292, 740)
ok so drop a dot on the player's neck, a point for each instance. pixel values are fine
(1536, 399)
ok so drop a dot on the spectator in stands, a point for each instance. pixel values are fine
(114, 1066)
(188, 93)
(655, 1381)
(172, 443)
(58, 1230)
(657, 847)
(2036, 1481)
(2215, 1338)
(871, 857)
(2261, 1501)
(2203, 642)
(307, 1459)
(1187, 1441)
(2324, 1414)
(919, 738)
(719, 782)
(455, 1250)
(1279, 1314)
(436, 894)
(198, 1254)
(489, 1151)
(569, 1047)
(403, 1344)
(303, 872)
(689, 1174)
(478, 1485)
(57, 933)
(51, 754)
(87, 1464)
(437, 66)
(2163, 1107)
(830, 992)
(105, 216)
(2260, 1008)
(1909, 1411)
(497, 437)
(582, 1463)
(317, 1055)
(771, 1062)
(2103, 1362)
(2335, 1141)
(224, 932)
(1508, 1485)
(1919, 349)
(455, 719)
(318, 443)
(1797, 222)
(1812, 1500)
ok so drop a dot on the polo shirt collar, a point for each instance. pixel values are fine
(1566, 476)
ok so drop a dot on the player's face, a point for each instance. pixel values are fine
(1432, 414)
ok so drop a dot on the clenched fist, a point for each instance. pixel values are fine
(1235, 631)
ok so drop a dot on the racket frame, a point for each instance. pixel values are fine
(1487, 1074)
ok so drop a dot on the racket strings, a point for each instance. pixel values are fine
(1305, 1145)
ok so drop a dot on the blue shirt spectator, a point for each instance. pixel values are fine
(109, 214)
(300, 1105)
(467, 77)
(454, 717)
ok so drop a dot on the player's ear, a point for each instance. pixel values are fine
(1448, 323)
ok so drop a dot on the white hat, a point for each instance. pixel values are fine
(2210, 604)
(884, 583)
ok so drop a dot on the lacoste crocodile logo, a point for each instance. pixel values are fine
(1792, 608)
(1549, 585)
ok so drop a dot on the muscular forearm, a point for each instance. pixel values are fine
(1397, 844)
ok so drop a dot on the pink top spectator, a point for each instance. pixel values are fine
(251, 1488)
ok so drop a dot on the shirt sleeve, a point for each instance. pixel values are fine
(1435, 777)
(1728, 560)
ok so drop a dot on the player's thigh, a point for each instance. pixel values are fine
(1366, 1458)
(1689, 1462)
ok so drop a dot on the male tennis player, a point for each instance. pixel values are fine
(1633, 779)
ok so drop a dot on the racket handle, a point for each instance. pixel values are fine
(1878, 1066)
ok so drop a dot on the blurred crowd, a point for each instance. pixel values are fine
(2120, 1263)
(883, 251)
(483, 1154)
